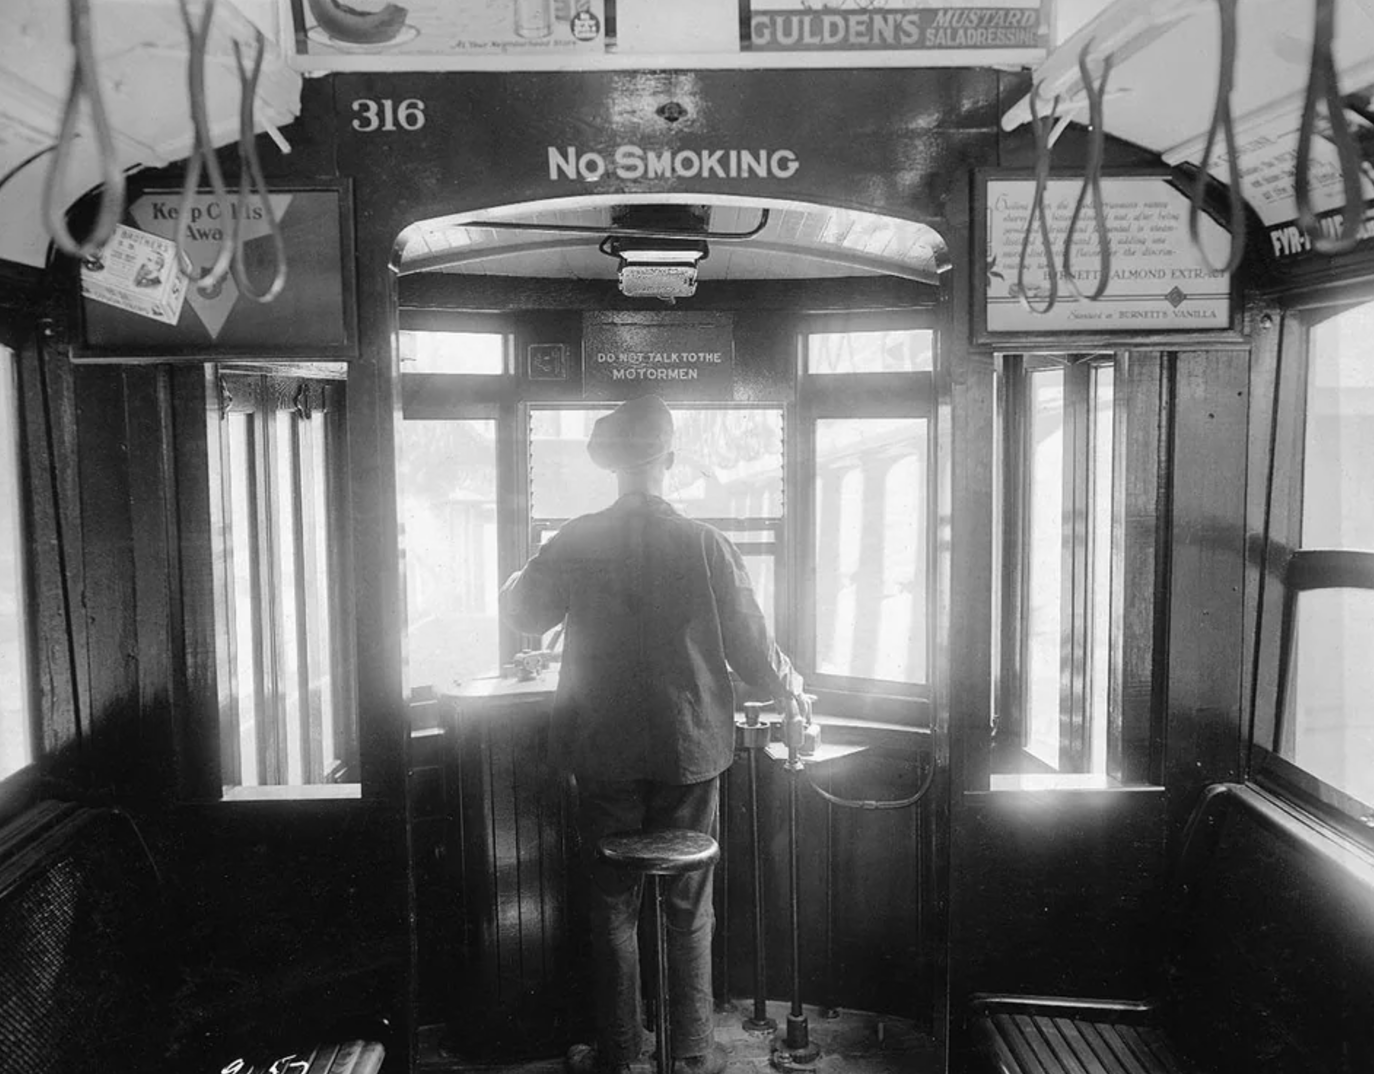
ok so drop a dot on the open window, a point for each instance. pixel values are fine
(1077, 465)
(288, 722)
(867, 401)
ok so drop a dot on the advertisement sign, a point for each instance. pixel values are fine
(682, 356)
(1158, 279)
(311, 318)
(1268, 159)
(516, 35)
(137, 272)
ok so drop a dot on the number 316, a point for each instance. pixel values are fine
(387, 115)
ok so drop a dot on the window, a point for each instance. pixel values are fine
(870, 513)
(16, 725)
(453, 352)
(1061, 615)
(833, 466)
(728, 470)
(902, 350)
(1326, 720)
(867, 399)
(287, 718)
(449, 499)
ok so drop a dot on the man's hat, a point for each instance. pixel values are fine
(634, 434)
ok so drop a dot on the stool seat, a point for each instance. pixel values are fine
(670, 852)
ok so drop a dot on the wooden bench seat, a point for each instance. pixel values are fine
(1268, 966)
(1029, 1035)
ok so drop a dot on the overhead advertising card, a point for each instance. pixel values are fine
(1268, 152)
(1158, 280)
(898, 26)
(516, 35)
(136, 272)
(388, 34)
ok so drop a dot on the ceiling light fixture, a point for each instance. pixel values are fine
(665, 269)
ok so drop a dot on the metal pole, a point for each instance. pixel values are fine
(795, 1021)
(753, 735)
(661, 1051)
(760, 1022)
(797, 1049)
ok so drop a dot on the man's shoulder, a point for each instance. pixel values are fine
(585, 526)
(702, 533)
(615, 517)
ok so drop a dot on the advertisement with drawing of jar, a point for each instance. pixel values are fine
(331, 30)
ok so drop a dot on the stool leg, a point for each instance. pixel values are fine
(663, 1049)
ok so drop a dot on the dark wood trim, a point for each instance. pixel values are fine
(57, 568)
(1282, 521)
(156, 564)
(1206, 577)
(866, 395)
(195, 450)
(437, 396)
(1140, 567)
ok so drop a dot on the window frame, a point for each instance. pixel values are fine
(1282, 535)
(261, 396)
(828, 396)
(510, 399)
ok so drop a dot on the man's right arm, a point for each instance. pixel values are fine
(535, 599)
(749, 645)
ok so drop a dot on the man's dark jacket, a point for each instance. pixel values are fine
(656, 605)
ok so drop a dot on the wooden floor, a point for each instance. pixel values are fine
(854, 1042)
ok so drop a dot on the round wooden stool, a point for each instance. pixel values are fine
(672, 852)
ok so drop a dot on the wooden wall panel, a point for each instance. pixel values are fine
(289, 916)
(1060, 893)
(54, 520)
(523, 988)
(1203, 739)
(107, 597)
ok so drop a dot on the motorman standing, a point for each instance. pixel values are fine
(658, 607)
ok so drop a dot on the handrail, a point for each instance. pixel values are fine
(202, 155)
(1222, 118)
(1042, 181)
(251, 177)
(1092, 181)
(613, 231)
(84, 82)
(894, 803)
(1322, 84)
(1329, 568)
